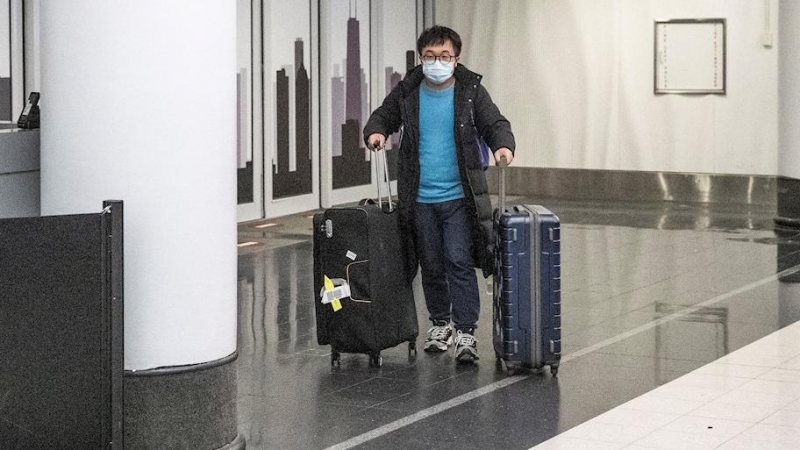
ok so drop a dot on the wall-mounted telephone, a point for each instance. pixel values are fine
(30, 115)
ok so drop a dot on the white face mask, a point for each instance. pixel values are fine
(438, 72)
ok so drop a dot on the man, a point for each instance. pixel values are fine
(443, 202)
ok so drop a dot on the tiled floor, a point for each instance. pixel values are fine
(650, 293)
(749, 399)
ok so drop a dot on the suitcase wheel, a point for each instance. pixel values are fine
(512, 369)
(412, 351)
(509, 368)
(375, 360)
(554, 369)
(336, 358)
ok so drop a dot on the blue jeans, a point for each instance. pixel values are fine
(444, 246)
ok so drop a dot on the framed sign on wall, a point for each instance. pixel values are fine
(689, 56)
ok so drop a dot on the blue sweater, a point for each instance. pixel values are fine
(439, 179)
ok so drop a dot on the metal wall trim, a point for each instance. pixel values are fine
(788, 202)
(637, 186)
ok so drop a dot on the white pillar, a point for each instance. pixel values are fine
(139, 104)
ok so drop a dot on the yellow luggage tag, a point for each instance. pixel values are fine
(333, 290)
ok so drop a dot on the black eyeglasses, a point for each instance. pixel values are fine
(430, 59)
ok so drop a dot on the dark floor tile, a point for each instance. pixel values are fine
(433, 394)
(624, 265)
(527, 412)
(371, 392)
(275, 422)
(431, 368)
(674, 340)
(660, 366)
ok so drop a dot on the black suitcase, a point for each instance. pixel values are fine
(360, 247)
(527, 286)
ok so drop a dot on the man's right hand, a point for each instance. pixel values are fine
(376, 141)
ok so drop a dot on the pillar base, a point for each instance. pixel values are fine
(186, 407)
(788, 203)
(237, 444)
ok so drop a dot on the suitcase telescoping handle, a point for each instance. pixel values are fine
(501, 192)
(383, 176)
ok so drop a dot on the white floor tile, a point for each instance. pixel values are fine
(566, 443)
(748, 413)
(606, 432)
(732, 370)
(792, 364)
(769, 349)
(754, 360)
(784, 417)
(706, 425)
(783, 338)
(642, 419)
(794, 406)
(741, 397)
(773, 434)
(662, 404)
(686, 392)
(676, 440)
(717, 382)
(739, 443)
(791, 376)
(789, 334)
(782, 388)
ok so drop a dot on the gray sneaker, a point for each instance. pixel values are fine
(439, 338)
(466, 349)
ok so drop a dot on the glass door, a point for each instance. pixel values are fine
(366, 49)
(249, 148)
(345, 100)
(291, 147)
(394, 33)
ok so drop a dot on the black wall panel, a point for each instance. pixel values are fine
(61, 331)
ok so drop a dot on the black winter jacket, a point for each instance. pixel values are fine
(472, 105)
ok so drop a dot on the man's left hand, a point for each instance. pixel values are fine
(503, 152)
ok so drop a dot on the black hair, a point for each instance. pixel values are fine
(437, 35)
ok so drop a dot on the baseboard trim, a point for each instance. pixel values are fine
(172, 370)
(788, 195)
(237, 444)
(617, 185)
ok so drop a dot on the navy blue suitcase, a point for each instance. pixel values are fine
(527, 287)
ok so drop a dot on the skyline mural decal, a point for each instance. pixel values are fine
(393, 144)
(286, 48)
(350, 109)
(293, 128)
(288, 145)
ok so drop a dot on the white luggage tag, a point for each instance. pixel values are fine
(334, 290)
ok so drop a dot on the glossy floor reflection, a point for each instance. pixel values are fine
(650, 293)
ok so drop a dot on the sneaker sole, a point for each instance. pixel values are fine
(436, 347)
(466, 357)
